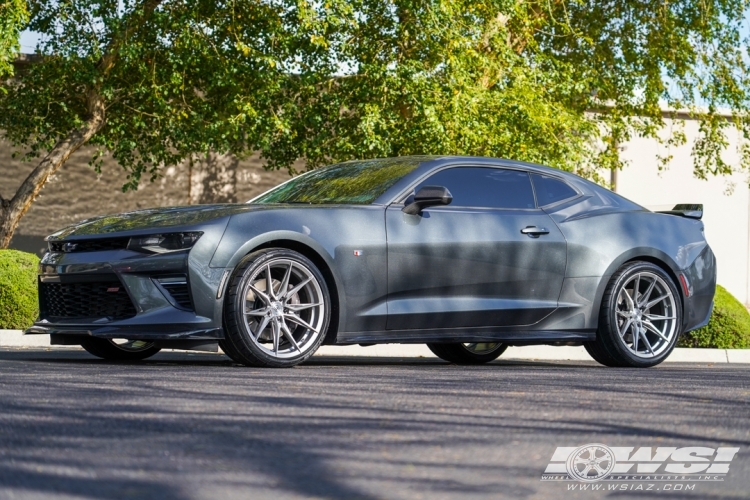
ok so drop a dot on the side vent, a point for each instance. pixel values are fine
(178, 289)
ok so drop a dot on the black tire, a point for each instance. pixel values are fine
(107, 349)
(597, 352)
(250, 348)
(460, 354)
(230, 351)
(612, 349)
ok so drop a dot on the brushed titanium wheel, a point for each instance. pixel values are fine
(277, 309)
(120, 349)
(646, 315)
(640, 320)
(468, 353)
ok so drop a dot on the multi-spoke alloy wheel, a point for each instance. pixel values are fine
(640, 319)
(277, 309)
(646, 315)
(120, 349)
(472, 353)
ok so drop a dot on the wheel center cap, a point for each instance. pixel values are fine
(277, 309)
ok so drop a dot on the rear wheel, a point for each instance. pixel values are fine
(120, 349)
(276, 311)
(640, 318)
(472, 353)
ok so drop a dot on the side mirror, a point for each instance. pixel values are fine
(427, 196)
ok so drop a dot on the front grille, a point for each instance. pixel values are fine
(96, 299)
(89, 245)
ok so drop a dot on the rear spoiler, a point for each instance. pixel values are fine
(691, 211)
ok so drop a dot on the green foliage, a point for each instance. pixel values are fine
(342, 79)
(13, 15)
(19, 306)
(728, 328)
(433, 78)
(516, 79)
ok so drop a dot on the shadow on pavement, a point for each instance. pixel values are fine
(197, 426)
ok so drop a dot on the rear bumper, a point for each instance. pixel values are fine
(701, 279)
(705, 320)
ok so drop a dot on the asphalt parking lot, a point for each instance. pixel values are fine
(195, 426)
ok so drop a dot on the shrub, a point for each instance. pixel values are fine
(728, 328)
(19, 306)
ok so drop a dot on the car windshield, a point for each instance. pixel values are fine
(357, 182)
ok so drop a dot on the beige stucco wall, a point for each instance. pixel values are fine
(726, 200)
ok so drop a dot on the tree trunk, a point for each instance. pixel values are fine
(13, 209)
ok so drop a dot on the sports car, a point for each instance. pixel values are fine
(467, 255)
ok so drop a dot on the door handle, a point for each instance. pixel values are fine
(534, 231)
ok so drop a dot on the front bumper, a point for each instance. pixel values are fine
(184, 331)
(125, 294)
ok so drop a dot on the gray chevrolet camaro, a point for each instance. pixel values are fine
(467, 255)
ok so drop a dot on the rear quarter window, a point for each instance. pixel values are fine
(550, 190)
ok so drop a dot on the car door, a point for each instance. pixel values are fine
(489, 258)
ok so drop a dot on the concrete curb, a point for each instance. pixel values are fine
(15, 338)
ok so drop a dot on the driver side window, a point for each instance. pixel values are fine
(485, 187)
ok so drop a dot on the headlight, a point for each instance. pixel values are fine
(163, 243)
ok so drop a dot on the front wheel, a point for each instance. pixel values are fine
(120, 350)
(473, 353)
(276, 310)
(640, 318)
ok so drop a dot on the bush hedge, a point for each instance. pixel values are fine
(19, 305)
(728, 328)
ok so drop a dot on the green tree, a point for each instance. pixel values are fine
(13, 16)
(149, 82)
(560, 82)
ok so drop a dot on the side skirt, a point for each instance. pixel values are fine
(517, 337)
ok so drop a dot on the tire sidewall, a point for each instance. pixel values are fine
(484, 357)
(615, 341)
(457, 353)
(234, 299)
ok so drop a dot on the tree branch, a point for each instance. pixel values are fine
(15, 208)
(108, 59)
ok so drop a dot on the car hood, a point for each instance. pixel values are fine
(150, 219)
